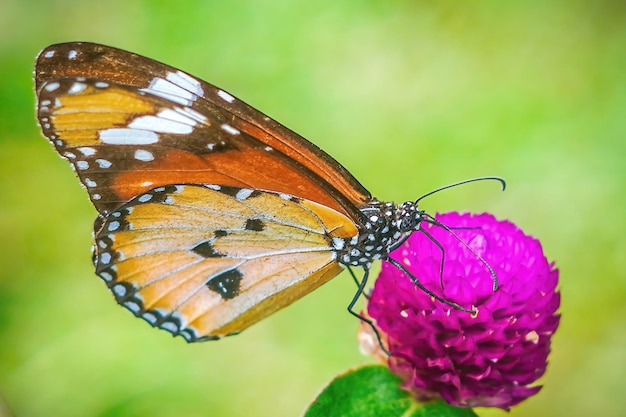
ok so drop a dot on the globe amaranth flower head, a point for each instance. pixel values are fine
(486, 359)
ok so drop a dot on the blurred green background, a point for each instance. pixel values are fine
(408, 95)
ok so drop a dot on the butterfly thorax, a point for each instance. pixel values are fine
(384, 226)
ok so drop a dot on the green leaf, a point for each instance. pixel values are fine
(373, 391)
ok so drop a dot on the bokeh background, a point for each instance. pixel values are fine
(408, 95)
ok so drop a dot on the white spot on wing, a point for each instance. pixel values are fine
(101, 84)
(105, 258)
(82, 165)
(90, 183)
(172, 92)
(87, 151)
(145, 198)
(149, 183)
(168, 326)
(49, 54)
(122, 136)
(149, 317)
(188, 111)
(77, 88)
(178, 115)
(229, 129)
(143, 155)
(52, 86)
(132, 306)
(159, 124)
(72, 54)
(225, 96)
(106, 276)
(185, 81)
(103, 163)
(243, 194)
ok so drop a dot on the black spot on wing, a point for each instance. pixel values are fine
(231, 191)
(160, 194)
(227, 284)
(255, 224)
(207, 250)
(220, 233)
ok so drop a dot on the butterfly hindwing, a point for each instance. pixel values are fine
(220, 139)
(205, 261)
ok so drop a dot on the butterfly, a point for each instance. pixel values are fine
(211, 215)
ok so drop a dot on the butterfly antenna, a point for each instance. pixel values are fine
(445, 187)
(433, 221)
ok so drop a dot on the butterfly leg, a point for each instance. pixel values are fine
(358, 284)
(369, 322)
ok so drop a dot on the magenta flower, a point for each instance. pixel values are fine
(486, 359)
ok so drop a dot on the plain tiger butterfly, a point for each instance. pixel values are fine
(211, 215)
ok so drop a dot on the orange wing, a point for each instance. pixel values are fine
(162, 126)
(208, 261)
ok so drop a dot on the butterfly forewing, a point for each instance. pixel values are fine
(208, 261)
(203, 134)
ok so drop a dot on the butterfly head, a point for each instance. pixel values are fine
(408, 217)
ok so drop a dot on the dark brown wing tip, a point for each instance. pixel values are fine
(51, 60)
